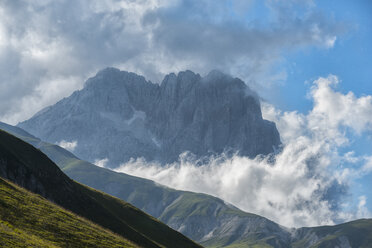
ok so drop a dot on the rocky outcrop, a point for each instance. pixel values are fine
(119, 115)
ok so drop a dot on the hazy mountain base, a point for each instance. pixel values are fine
(203, 218)
(132, 118)
(30, 168)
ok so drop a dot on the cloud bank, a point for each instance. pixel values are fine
(306, 184)
(48, 48)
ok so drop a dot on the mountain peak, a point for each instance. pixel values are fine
(112, 77)
(188, 74)
(217, 75)
(181, 77)
(131, 118)
(108, 70)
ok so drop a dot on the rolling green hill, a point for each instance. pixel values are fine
(356, 233)
(30, 168)
(29, 220)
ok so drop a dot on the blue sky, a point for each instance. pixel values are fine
(285, 50)
(349, 59)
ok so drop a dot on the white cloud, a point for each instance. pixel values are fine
(324, 39)
(289, 191)
(101, 162)
(61, 43)
(367, 167)
(332, 115)
(44, 94)
(330, 41)
(362, 209)
(333, 109)
(68, 145)
(306, 184)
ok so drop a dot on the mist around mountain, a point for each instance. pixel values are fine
(119, 116)
(204, 218)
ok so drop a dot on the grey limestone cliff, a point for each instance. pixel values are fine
(119, 115)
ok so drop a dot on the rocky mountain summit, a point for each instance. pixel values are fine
(120, 115)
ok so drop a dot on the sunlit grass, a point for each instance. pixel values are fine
(28, 220)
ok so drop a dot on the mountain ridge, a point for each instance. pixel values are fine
(130, 117)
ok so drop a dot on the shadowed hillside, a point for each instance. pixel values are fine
(29, 220)
(30, 168)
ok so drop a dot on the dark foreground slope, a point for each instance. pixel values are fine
(30, 168)
(29, 220)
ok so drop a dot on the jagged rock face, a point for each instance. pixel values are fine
(119, 116)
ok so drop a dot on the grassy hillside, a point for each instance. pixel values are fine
(29, 220)
(356, 233)
(30, 168)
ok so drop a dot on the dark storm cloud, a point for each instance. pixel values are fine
(48, 48)
(189, 31)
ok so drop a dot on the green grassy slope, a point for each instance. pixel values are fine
(245, 243)
(30, 168)
(356, 233)
(194, 208)
(28, 220)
